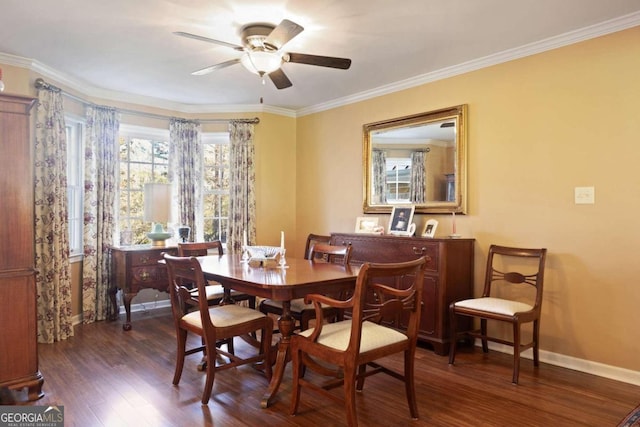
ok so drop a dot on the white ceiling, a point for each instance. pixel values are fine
(126, 50)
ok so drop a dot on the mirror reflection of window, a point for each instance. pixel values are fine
(398, 188)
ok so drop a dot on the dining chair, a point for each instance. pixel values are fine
(355, 344)
(301, 311)
(215, 292)
(509, 296)
(312, 239)
(214, 324)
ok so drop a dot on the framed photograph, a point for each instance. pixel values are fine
(430, 228)
(401, 217)
(366, 224)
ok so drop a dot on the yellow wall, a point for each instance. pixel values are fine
(538, 127)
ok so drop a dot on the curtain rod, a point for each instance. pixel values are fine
(41, 84)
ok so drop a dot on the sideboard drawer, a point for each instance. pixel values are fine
(373, 248)
(145, 258)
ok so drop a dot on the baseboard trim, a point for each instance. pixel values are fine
(135, 308)
(576, 364)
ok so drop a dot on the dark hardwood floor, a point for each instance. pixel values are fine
(104, 376)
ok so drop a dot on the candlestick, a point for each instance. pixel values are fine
(454, 222)
(453, 234)
(282, 240)
(244, 238)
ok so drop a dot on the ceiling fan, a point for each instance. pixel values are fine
(262, 45)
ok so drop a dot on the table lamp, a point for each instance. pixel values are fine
(157, 204)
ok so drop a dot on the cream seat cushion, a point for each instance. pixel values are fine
(495, 305)
(213, 292)
(224, 315)
(337, 335)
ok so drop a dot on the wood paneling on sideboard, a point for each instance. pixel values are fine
(18, 339)
(449, 274)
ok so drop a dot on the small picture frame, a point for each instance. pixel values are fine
(366, 225)
(430, 228)
(401, 217)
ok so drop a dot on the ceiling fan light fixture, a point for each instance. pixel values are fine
(261, 62)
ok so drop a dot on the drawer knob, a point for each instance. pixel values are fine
(144, 259)
(144, 275)
(419, 251)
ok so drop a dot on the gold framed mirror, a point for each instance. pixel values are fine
(417, 160)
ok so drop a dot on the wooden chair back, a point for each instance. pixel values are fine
(313, 239)
(330, 253)
(495, 278)
(186, 270)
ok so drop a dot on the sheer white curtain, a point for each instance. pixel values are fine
(101, 184)
(185, 173)
(53, 282)
(242, 203)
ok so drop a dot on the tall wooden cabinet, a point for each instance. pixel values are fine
(18, 339)
(448, 277)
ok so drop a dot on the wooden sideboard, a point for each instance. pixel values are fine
(18, 339)
(449, 275)
(134, 268)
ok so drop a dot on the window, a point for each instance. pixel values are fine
(215, 149)
(398, 180)
(143, 158)
(75, 179)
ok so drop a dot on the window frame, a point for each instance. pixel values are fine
(75, 132)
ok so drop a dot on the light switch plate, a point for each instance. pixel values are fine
(585, 195)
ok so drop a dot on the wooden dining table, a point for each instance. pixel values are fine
(297, 279)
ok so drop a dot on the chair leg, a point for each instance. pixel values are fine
(483, 331)
(409, 385)
(453, 335)
(211, 370)
(536, 348)
(516, 353)
(350, 395)
(297, 372)
(180, 353)
(362, 369)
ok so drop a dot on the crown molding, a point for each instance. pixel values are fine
(572, 37)
(586, 33)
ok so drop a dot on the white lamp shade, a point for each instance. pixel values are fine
(157, 202)
(260, 62)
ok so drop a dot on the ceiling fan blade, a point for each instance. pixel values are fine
(211, 68)
(280, 79)
(322, 61)
(280, 35)
(208, 40)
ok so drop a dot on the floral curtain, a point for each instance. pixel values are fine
(100, 187)
(418, 176)
(53, 282)
(242, 203)
(185, 172)
(379, 160)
